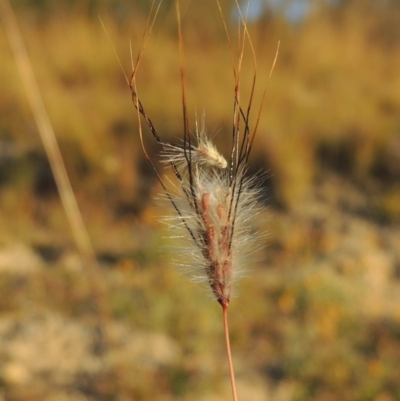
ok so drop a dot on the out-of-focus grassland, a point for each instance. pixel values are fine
(318, 318)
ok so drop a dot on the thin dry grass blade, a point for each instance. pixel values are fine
(52, 149)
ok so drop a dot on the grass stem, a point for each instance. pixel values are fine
(228, 351)
(54, 156)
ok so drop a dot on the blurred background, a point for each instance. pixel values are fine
(318, 316)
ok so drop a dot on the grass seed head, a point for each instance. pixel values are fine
(219, 218)
(214, 202)
(202, 152)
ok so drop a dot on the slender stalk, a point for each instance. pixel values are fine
(45, 130)
(228, 351)
(54, 156)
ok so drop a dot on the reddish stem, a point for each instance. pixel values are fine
(228, 349)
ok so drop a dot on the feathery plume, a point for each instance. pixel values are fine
(214, 197)
(203, 151)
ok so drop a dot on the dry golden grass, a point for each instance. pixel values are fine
(325, 293)
(334, 94)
